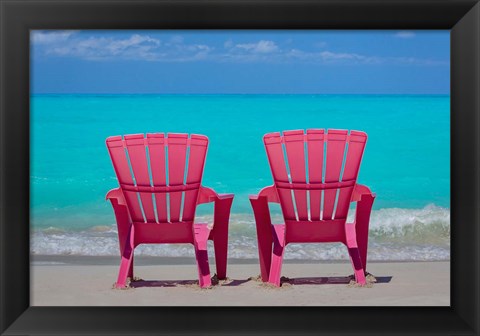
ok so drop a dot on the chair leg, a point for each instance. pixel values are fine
(220, 235)
(357, 265)
(264, 235)
(130, 270)
(220, 245)
(126, 265)
(362, 220)
(354, 252)
(200, 244)
(277, 255)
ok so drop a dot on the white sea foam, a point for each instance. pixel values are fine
(395, 234)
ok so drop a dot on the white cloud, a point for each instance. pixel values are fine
(415, 61)
(135, 40)
(405, 34)
(135, 47)
(262, 47)
(98, 48)
(176, 49)
(45, 37)
(331, 57)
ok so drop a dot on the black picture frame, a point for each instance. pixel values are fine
(17, 17)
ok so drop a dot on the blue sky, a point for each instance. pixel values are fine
(244, 62)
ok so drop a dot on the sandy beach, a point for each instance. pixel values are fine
(88, 281)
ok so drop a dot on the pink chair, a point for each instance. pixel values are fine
(314, 201)
(160, 187)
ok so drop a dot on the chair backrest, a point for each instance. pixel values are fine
(159, 174)
(315, 172)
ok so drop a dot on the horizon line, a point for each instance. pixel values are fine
(238, 94)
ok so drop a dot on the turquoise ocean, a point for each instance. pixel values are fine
(406, 163)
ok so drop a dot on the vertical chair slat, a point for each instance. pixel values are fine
(335, 154)
(177, 152)
(343, 202)
(295, 148)
(315, 144)
(356, 148)
(355, 151)
(196, 161)
(138, 158)
(156, 151)
(273, 145)
(122, 170)
(133, 206)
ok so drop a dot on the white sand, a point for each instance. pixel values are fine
(316, 284)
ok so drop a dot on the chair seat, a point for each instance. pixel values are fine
(155, 233)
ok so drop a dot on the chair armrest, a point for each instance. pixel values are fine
(269, 192)
(207, 195)
(221, 218)
(360, 191)
(116, 194)
(122, 216)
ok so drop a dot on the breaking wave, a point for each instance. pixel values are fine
(395, 234)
